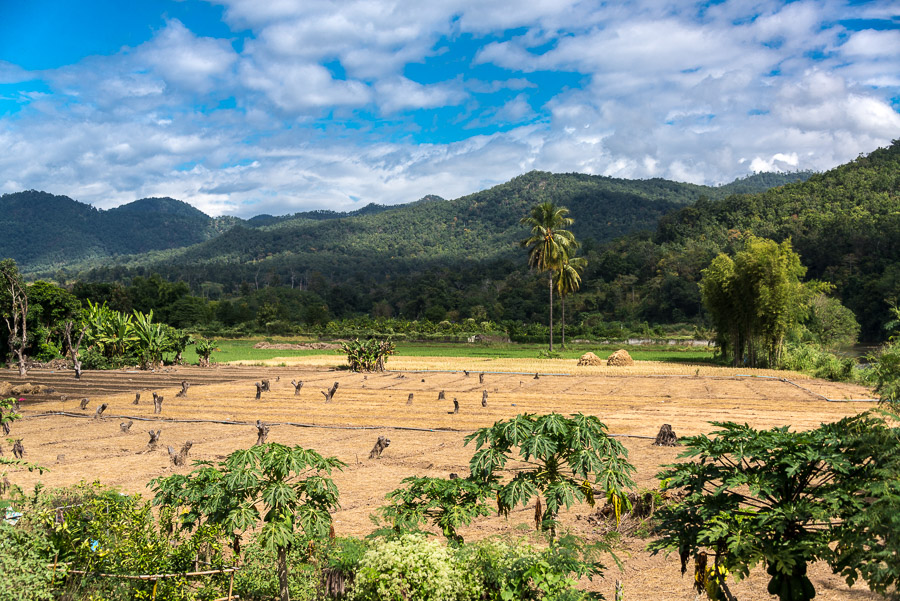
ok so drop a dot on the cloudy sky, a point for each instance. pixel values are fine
(246, 106)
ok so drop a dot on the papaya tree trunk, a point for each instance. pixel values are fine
(282, 568)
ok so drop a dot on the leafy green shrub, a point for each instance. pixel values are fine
(24, 557)
(94, 359)
(411, 567)
(98, 529)
(812, 360)
(515, 570)
(886, 371)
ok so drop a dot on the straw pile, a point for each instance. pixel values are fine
(620, 358)
(590, 359)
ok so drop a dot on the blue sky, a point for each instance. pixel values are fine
(243, 107)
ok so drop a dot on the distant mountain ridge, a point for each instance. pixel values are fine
(52, 232)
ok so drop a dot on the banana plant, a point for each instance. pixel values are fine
(150, 340)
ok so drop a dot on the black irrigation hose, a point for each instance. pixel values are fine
(294, 424)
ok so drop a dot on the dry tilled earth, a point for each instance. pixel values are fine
(219, 412)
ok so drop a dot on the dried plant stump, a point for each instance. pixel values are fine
(666, 437)
(380, 445)
(84, 403)
(329, 394)
(262, 431)
(154, 439)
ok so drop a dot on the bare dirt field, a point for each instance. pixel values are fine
(219, 412)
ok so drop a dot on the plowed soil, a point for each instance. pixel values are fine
(219, 412)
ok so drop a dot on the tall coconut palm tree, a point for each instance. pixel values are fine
(568, 281)
(548, 243)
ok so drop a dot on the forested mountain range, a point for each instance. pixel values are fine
(47, 231)
(63, 234)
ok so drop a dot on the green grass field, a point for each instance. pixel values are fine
(242, 350)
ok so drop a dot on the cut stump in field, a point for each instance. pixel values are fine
(590, 359)
(620, 358)
(154, 439)
(262, 431)
(380, 445)
(666, 437)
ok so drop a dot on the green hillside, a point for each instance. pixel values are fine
(844, 223)
(54, 231)
(431, 232)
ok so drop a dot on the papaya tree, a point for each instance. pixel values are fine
(285, 488)
(558, 458)
(785, 500)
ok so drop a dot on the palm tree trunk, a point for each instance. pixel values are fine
(562, 299)
(551, 311)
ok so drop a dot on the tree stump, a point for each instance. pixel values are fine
(6, 426)
(466, 372)
(154, 439)
(666, 437)
(410, 399)
(99, 413)
(441, 396)
(180, 458)
(297, 386)
(538, 515)
(481, 378)
(84, 403)
(262, 431)
(454, 476)
(484, 399)
(329, 394)
(184, 389)
(265, 386)
(455, 407)
(259, 390)
(126, 426)
(157, 403)
(137, 398)
(18, 449)
(63, 398)
(380, 445)
(537, 377)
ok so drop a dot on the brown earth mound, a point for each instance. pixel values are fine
(590, 359)
(9, 390)
(620, 358)
(304, 346)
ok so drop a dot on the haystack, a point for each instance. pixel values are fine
(590, 359)
(620, 358)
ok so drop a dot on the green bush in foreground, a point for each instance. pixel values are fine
(411, 567)
(24, 554)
